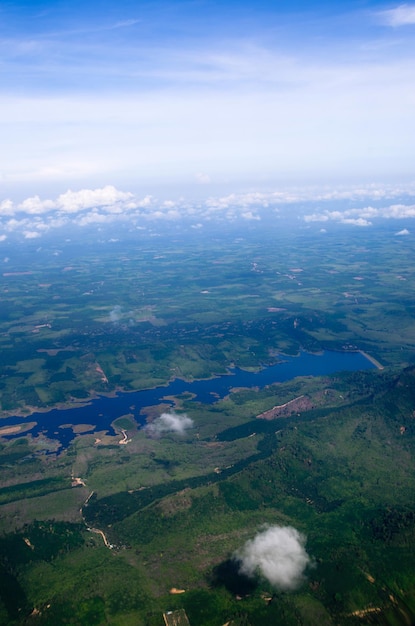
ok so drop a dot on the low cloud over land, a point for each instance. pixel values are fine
(364, 216)
(278, 554)
(115, 314)
(110, 208)
(170, 423)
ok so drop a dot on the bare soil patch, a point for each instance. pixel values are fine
(297, 405)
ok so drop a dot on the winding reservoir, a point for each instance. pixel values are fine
(102, 411)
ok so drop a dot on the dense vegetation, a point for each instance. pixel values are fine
(135, 314)
(343, 476)
(100, 533)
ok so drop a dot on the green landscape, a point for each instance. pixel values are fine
(122, 525)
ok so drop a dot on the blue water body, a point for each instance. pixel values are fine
(102, 411)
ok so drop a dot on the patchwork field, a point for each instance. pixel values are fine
(132, 317)
(128, 523)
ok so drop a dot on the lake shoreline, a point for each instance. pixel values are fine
(372, 360)
(104, 408)
(94, 395)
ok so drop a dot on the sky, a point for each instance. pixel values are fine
(203, 99)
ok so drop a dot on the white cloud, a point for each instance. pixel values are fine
(109, 206)
(126, 23)
(3, 237)
(35, 205)
(170, 423)
(309, 194)
(282, 126)
(316, 217)
(93, 217)
(13, 224)
(31, 234)
(249, 215)
(399, 211)
(76, 201)
(115, 314)
(6, 207)
(244, 104)
(203, 179)
(358, 221)
(402, 15)
(362, 216)
(403, 232)
(278, 554)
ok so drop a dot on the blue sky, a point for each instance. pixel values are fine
(200, 98)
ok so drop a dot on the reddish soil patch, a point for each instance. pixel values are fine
(298, 405)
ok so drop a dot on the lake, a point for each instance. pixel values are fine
(103, 410)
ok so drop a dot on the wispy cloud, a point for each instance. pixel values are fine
(402, 15)
(126, 23)
(170, 90)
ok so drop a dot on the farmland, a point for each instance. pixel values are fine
(330, 455)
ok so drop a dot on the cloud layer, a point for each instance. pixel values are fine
(169, 423)
(278, 554)
(109, 206)
(364, 216)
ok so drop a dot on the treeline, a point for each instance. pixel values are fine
(33, 489)
(114, 508)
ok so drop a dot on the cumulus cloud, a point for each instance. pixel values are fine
(247, 200)
(308, 194)
(108, 206)
(399, 211)
(202, 179)
(249, 215)
(170, 423)
(338, 216)
(75, 201)
(31, 234)
(363, 216)
(358, 221)
(115, 314)
(35, 205)
(6, 207)
(405, 231)
(278, 554)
